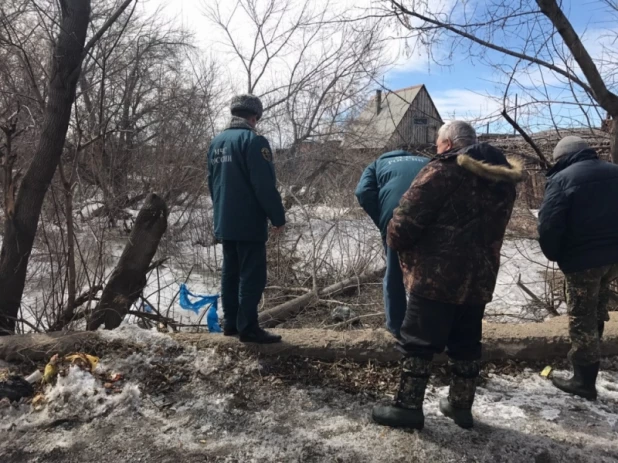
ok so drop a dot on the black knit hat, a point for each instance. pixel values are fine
(249, 103)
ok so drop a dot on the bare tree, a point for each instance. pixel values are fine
(305, 63)
(21, 222)
(313, 68)
(540, 38)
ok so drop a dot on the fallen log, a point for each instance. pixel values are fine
(528, 341)
(277, 315)
(40, 347)
(129, 277)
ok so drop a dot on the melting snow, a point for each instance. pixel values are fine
(223, 414)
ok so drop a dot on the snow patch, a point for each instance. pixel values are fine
(133, 333)
(78, 396)
(520, 259)
(550, 414)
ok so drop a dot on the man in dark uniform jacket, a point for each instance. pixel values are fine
(243, 187)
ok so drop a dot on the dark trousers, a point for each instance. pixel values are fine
(430, 326)
(394, 292)
(243, 280)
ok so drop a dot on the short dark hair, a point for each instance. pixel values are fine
(243, 113)
(403, 147)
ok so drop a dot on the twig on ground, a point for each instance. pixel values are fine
(549, 308)
(353, 320)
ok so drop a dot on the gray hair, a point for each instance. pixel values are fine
(460, 133)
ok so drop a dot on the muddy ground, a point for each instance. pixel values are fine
(179, 404)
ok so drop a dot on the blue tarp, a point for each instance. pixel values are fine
(147, 308)
(212, 319)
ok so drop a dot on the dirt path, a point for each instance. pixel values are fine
(194, 406)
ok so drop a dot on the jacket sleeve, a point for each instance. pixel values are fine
(209, 172)
(263, 180)
(553, 220)
(367, 193)
(420, 206)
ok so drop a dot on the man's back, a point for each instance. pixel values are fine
(243, 186)
(578, 222)
(451, 223)
(389, 177)
(241, 179)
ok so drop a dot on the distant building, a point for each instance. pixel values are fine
(406, 117)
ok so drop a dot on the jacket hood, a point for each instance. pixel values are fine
(489, 163)
(570, 159)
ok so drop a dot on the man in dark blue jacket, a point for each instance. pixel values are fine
(578, 228)
(243, 187)
(380, 188)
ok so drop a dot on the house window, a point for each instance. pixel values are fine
(420, 121)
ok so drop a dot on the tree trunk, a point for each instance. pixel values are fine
(613, 141)
(283, 312)
(21, 228)
(605, 97)
(129, 278)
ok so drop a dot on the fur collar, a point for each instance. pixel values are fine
(512, 173)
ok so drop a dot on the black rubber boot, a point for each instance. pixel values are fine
(461, 416)
(229, 330)
(458, 406)
(583, 382)
(397, 417)
(407, 411)
(260, 336)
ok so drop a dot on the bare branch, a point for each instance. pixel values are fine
(112, 19)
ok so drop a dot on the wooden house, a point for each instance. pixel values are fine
(402, 118)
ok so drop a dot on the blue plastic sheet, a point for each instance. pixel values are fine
(200, 301)
(147, 308)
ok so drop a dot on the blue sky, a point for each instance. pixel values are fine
(466, 88)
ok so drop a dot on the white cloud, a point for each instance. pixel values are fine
(465, 104)
(405, 55)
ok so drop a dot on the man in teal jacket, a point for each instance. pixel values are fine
(243, 188)
(380, 188)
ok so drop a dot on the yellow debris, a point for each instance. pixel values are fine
(86, 361)
(38, 402)
(546, 372)
(51, 369)
(83, 361)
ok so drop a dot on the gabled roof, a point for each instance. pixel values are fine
(372, 130)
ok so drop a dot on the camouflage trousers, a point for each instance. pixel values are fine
(588, 297)
(415, 374)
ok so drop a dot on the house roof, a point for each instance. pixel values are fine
(373, 131)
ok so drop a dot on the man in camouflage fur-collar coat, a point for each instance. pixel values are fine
(448, 230)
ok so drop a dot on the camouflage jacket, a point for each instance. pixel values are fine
(450, 224)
